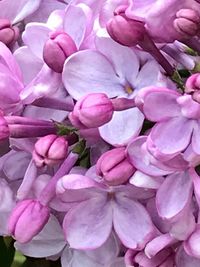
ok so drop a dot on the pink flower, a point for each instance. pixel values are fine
(100, 208)
(177, 117)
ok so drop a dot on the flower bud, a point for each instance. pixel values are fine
(8, 34)
(192, 87)
(91, 111)
(114, 167)
(50, 150)
(57, 49)
(27, 220)
(125, 31)
(187, 22)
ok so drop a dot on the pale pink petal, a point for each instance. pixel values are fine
(173, 136)
(195, 139)
(6, 58)
(123, 127)
(124, 60)
(174, 195)
(159, 243)
(17, 10)
(192, 244)
(132, 223)
(155, 79)
(46, 8)
(107, 252)
(88, 225)
(76, 28)
(24, 58)
(160, 104)
(141, 159)
(35, 36)
(90, 72)
(140, 179)
(75, 182)
(46, 83)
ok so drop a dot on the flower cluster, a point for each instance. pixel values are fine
(100, 131)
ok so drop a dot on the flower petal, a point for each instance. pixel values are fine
(172, 136)
(124, 126)
(174, 194)
(160, 104)
(90, 72)
(88, 225)
(132, 223)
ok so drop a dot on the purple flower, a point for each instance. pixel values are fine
(177, 118)
(88, 224)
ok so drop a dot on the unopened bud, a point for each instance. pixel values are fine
(187, 22)
(125, 31)
(114, 167)
(50, 150)
(8, 33)
(57, 49)
(192, 87)
(27, 219)
(91, 111)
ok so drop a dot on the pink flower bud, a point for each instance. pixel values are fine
(8, 34)
(27, 220)
(91, 111)
(125, 31)
(187, 22)
(59, 47)
(50, 150)
(114, 167)
(192, 86)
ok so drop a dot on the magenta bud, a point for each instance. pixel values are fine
(8, 33)
(114, 167)
(27, 219)
(91, 111)
(57, 49)
(187, 22)
(125, 31)
(50, 150)
(192, 87)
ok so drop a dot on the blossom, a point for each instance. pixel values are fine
(99, 208)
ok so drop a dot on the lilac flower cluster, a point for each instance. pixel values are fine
(100, 131)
